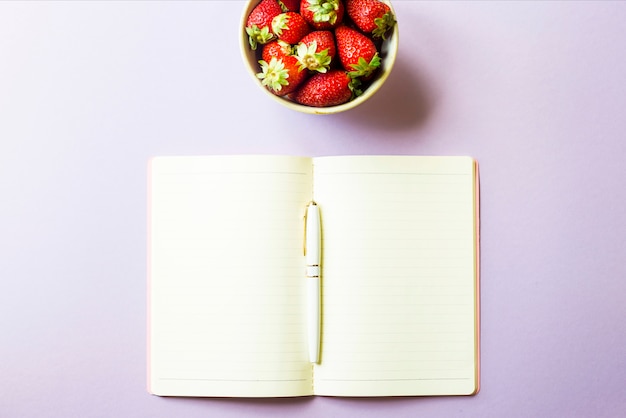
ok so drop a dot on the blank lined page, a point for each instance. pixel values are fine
(399, 276)
(226, 285)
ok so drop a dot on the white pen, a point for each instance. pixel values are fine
(313, 252)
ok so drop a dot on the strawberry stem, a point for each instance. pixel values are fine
(273, 75)
(365, 69)
(258, 36)
(280, 23)
(324, 10)
(312, 60)
(383, 25)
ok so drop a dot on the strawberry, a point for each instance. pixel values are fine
(282, 75)
(324, 39)
(290, 27)
(332, 88)
(322, 14)
(317, 50)
(258, 24)
(357, 53)
(289, 5)
(371, 16)
(278, 49)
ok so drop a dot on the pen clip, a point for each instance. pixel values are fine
(306, 212)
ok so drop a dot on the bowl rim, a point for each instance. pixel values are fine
(391, 49)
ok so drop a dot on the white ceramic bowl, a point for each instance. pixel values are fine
(388, 53)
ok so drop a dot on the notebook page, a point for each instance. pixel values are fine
(226, 286)
(399, 276)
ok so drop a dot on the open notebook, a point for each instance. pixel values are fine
(227, 309)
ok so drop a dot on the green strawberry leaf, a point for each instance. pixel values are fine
(273, 75)
(324, 10)
(258, 36)
(312, 60)
(364, 68)
(280, 23)
(282, 6)
(383, 25)
(354, 87)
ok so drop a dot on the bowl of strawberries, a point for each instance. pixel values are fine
(319, 56)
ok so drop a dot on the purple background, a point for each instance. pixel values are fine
(89, 91)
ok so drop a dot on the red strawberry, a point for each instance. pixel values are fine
(332, 88)
(289, 5)
(324, 39)
(281, 76)
(322, 14)
(357, 52)
(317, 50)
(258, 25)
(371, 16)
(290, 27)
(277, 49)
